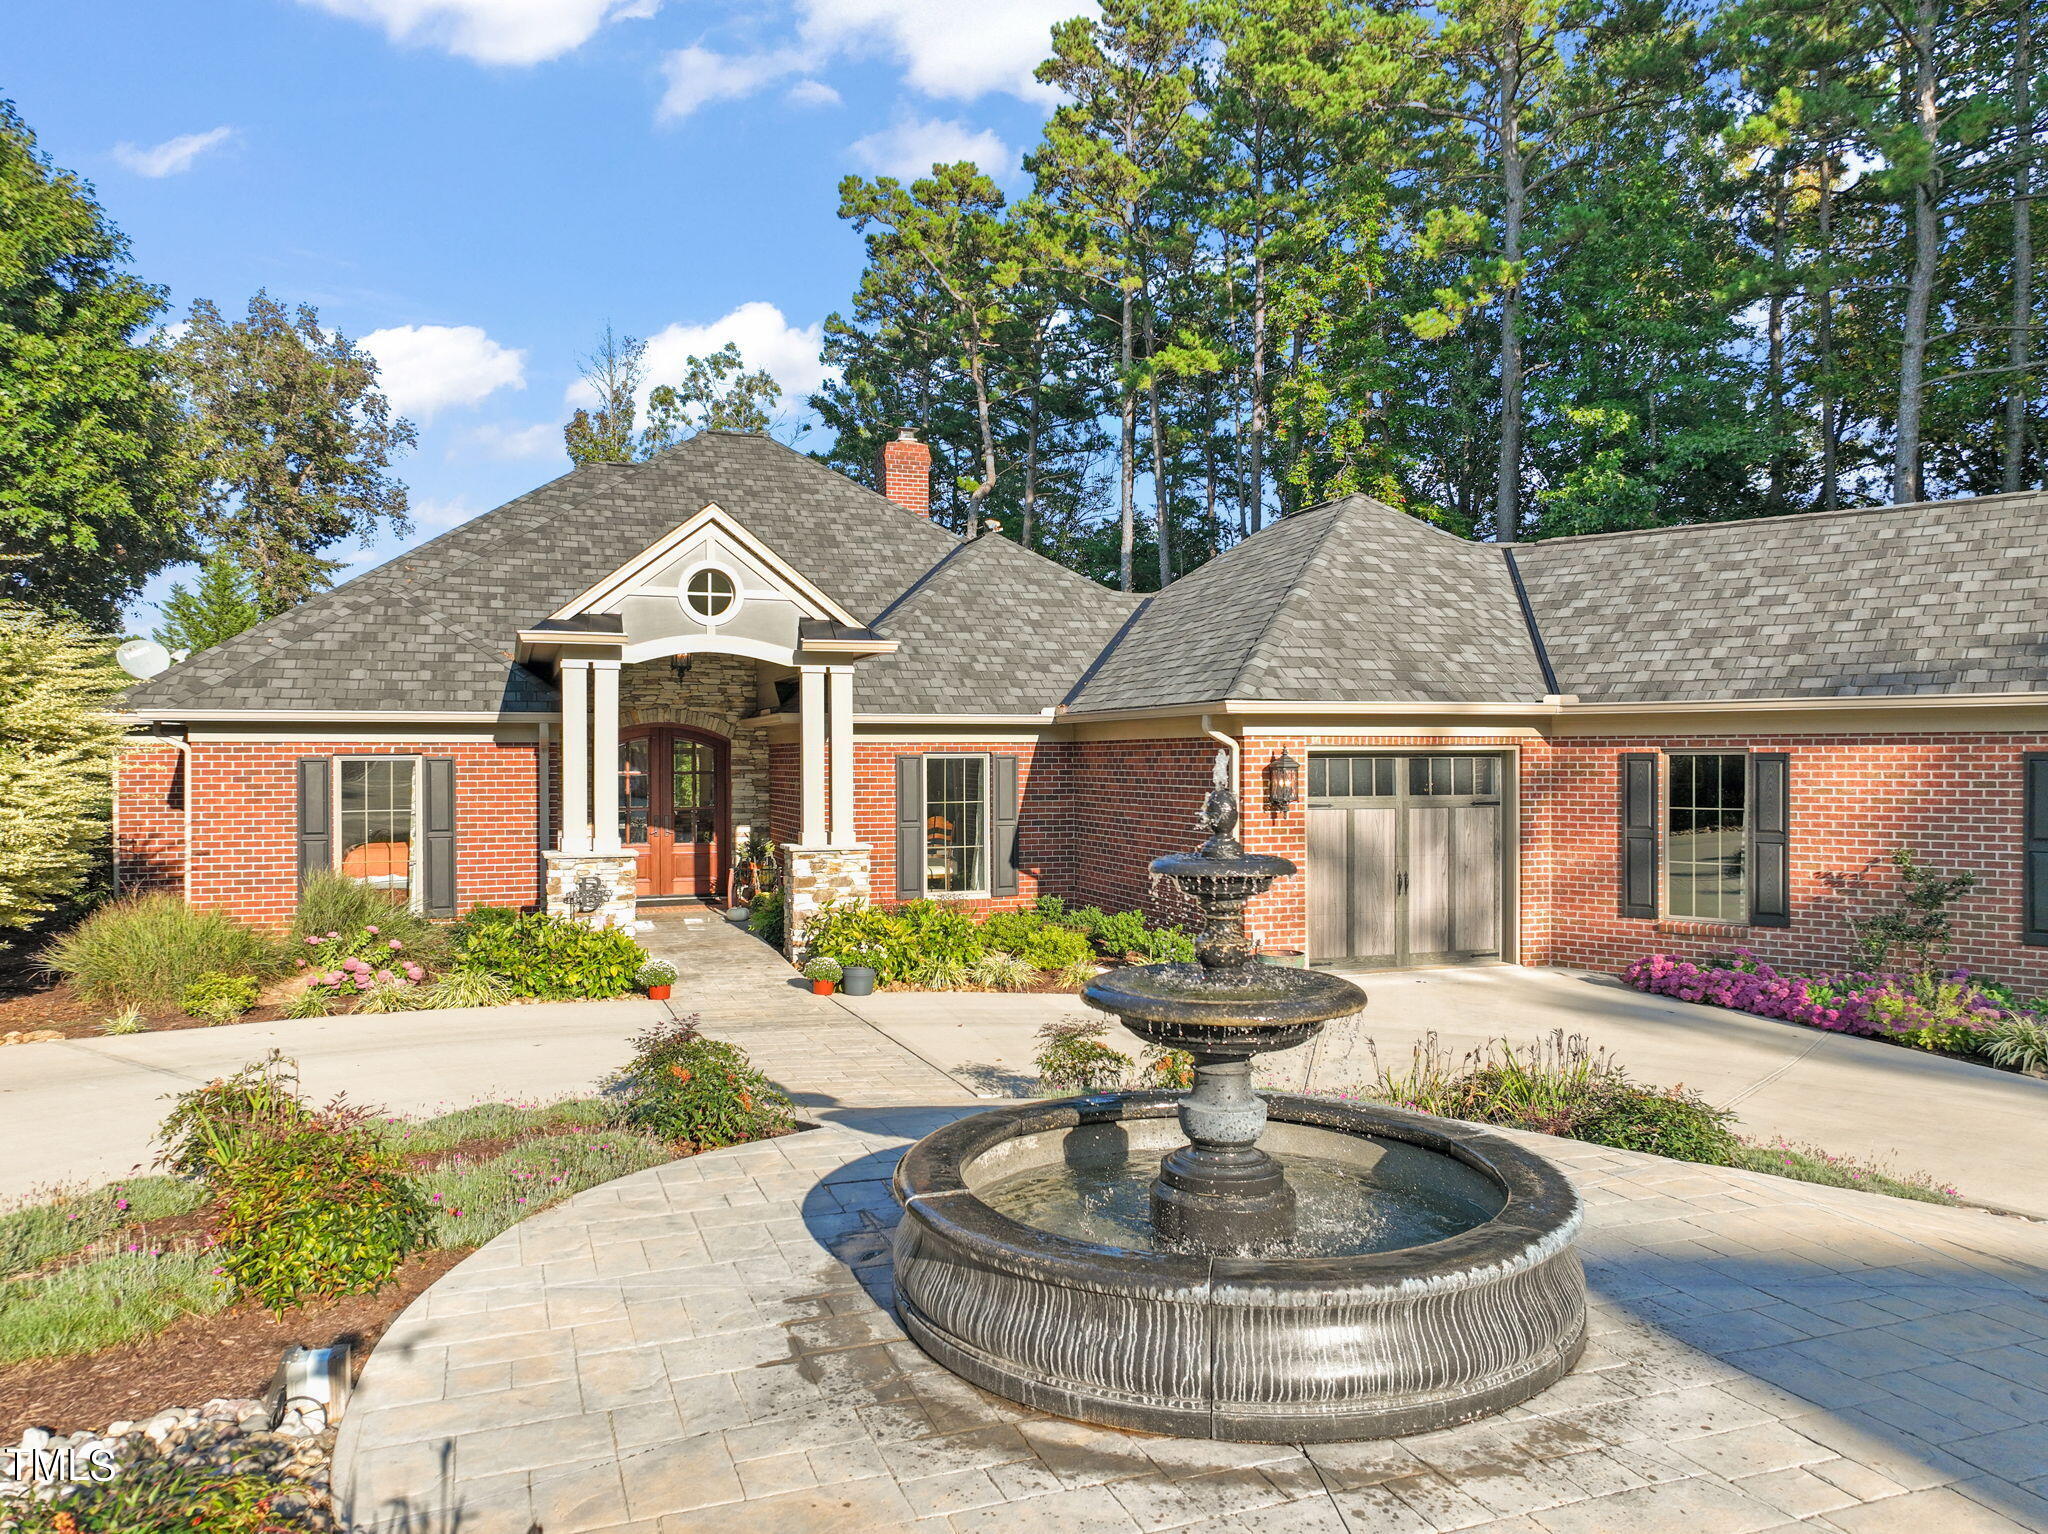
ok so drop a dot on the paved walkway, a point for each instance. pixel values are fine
(707, 1346)
(1848, 1095)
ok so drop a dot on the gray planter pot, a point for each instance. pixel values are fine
(858, 980)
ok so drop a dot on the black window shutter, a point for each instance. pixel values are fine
(910, 841)
(1770, 873)
(315, 817)
(1002, 861)
(437, 853)
(2035, 879)
(1639, 834)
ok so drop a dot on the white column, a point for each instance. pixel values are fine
(839, 688)
(575, 756)
(604, 756)
(811, 711)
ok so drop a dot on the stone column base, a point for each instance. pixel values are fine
(596, 888)
(813, 877)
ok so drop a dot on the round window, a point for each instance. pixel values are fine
(710, 593)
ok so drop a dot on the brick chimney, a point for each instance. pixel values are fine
(907, 472)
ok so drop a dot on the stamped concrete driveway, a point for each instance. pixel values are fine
(1984, 1131)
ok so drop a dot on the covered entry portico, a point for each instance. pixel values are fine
(667, 670)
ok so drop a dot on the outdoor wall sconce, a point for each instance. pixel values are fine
(1283, 782)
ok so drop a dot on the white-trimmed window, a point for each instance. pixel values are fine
(377, 822)
(956, 825)
(710, 592)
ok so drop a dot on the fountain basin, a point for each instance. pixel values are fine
(1262, 1349)
(1287, 1005)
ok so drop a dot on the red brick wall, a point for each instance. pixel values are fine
(244, 798)
(785, 792)
(1954, 799)
(149, 819)
(1044, 815)
(1135, 800)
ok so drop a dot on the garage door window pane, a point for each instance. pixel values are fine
(1351, 777)
(1707, 837)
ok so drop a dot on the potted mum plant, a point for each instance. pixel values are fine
(655, 977)
(823, 974)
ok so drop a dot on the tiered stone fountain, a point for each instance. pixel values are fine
(1293, 1270)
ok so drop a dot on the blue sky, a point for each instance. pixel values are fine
(476, 187)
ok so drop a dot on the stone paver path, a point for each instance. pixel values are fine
(707, 1346)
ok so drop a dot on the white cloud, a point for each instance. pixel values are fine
(494, 440)
(173, 155)
(812, 93)
(697, 76)
(911, 148)
(492, 31)
(947, 49)
(441, 515)
(425, 368)
(767, 341)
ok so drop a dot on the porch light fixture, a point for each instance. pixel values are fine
(1283, 782)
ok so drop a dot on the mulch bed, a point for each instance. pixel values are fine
(230, 1354)
(60, 1009)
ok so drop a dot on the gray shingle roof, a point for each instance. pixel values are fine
(1347, 602)
(992, 629)
(1930, 598)
(434, 629)
(1351, 601)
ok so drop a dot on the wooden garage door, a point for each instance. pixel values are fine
(1404, 858)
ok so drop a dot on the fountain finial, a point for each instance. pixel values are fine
(1219, 813)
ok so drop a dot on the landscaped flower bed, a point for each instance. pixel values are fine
(1953, 1013)
(931, 946)
(152, 962)
(282, 1221)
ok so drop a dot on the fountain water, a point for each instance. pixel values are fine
(1294, 1270)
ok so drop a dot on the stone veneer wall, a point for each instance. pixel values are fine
(616, 875)
(814, 877)
(716, 694)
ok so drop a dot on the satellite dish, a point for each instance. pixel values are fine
(143, 658)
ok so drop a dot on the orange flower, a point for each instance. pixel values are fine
(679, 1073)
(66, 1524)
(746, 1102)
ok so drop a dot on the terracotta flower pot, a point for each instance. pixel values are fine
(821, 987)
(657, 993)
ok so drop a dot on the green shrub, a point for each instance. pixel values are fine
(218, 998)
(211, 1127)
(684, 1087)
(1000, 971)
(314, 1001)
(127, 1020)
(1944, 1039)
(481, 918)
(553, 957)
(1073, 1058)
(71, 1222)
(1056, 948)
(1084, 919)
(1167, 945)
(467, 987)
(1011, 931)
(1074, 976)
(342, 910)
(1168, 1069)
(145, 950)
(1676, 1122)
(1121, 933)
(2018, 1043)
(944, 933)
(940, 974)
(855, 932)
(319, 1209)
(764, 917)
(395, 995)
(106, 1301)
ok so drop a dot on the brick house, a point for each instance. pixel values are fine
(1570, 752)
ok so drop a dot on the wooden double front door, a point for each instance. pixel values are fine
(1404, 858)
(673, 804)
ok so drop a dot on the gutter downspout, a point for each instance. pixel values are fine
(1231, 744)
(184, 748)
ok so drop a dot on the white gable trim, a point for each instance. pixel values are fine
(622, 581)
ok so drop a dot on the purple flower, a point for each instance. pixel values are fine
(396, 945)
(371, 930)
